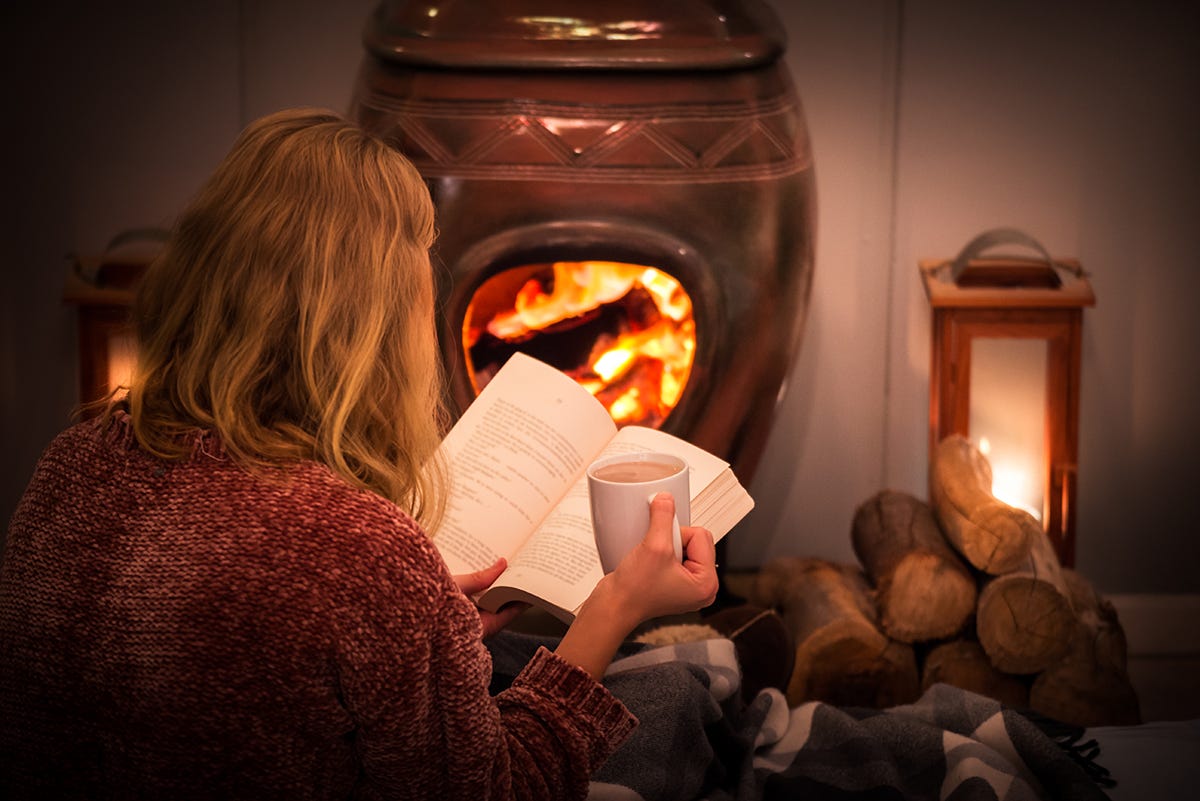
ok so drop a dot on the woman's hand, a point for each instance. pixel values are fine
(480, 580)
(649, 582)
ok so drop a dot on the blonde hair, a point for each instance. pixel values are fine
(292, 313)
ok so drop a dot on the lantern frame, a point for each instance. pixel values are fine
(101, 287)
(1002, 298)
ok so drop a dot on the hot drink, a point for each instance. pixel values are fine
(635, 472)
(621, 488)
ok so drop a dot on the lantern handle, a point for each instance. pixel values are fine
(1004, 236)
(111, 267)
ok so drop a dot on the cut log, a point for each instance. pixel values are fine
(963, 663)
(773, 579)
(1089, 685)
(842, 656)
(990, 534)
(1024, 618)
(923, 590)
(1099, 618)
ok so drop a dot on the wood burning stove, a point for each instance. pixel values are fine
(624, 189)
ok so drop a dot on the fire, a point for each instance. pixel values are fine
(623, 331)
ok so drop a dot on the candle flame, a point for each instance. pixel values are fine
(1011, 483)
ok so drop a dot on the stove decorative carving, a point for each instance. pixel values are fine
(624, 189)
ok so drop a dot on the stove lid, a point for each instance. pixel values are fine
(576, 34)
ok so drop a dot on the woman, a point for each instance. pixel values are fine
(223, 587)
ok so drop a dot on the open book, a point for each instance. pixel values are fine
(516, 462)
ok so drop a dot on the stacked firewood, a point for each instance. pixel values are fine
(964, 590)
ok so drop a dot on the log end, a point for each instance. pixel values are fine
(1023, 624)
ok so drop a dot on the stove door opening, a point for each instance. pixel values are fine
(623, 331)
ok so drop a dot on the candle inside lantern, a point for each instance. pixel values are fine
(122, 356)
(1008, 417)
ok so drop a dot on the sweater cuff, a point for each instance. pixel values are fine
(549, 674)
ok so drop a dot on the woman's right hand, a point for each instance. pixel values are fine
(650, 582)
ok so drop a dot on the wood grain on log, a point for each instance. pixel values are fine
(923, 590)
(990, 534)
(842, 656)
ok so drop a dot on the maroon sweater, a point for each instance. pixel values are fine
(186, 629)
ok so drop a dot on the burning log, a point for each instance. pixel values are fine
(842, 657)
(923, 590)
(1090, 685)
(625, 332)
(991, 535)
(963, 663)
(1024, 618)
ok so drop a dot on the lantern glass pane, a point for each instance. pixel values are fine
(122, 356)
(1008, 416)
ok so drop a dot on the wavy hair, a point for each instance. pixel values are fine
(292, 312)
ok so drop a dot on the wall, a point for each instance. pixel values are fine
(931, 121)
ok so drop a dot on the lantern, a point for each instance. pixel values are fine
(101, 288)
(1005, 370)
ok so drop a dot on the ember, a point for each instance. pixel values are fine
(623, 331)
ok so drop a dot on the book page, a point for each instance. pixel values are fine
(560, 562)
(703, 467)
(706, 473)
(511, 457)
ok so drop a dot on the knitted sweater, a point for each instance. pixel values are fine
(188, 630)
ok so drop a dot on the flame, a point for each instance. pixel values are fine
(638, 370)
(1012, 482)
(578, 287)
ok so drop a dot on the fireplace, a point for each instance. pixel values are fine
(623, 189)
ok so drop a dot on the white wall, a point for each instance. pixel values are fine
(1080, 125)
(930, 121)
(825, 455)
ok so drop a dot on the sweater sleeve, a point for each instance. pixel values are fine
(415, 678)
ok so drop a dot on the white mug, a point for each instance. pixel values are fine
(620, 489)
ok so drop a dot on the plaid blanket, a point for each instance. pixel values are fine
(698, 740)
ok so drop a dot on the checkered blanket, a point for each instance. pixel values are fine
(698, 740)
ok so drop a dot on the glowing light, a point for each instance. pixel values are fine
(627, 406)
(1011, 483)
(122, 357)
(644, 345)
(576, 28)
(612, 363)
(1008, 399)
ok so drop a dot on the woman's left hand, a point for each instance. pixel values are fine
(480, 580)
